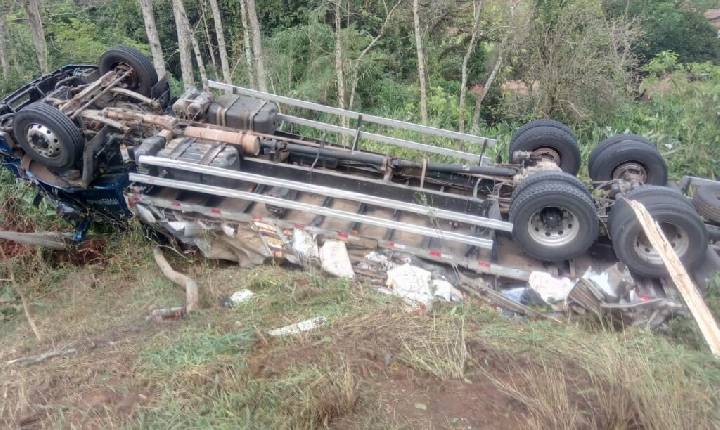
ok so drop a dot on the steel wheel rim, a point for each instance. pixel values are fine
(557, 234)
(631, 172)
(44, 141)
(549, 154)
(677, 237)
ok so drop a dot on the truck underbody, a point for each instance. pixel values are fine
(247, 176)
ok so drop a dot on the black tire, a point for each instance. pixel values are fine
(144, 76)
(55, 134)
(542, 123)
(654, 193)
(549, 175)
(616, 151)
(670, 211)
(613, 140)
(707, 201)
(552, 194)
(551, 137)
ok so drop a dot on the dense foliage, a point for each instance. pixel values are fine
(605, 66)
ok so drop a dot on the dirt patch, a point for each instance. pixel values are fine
(91, 388)
(403, 395)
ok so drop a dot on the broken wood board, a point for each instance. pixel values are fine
(683, 282)
(52, 240)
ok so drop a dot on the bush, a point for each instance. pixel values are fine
(576, 63)
(670, 25)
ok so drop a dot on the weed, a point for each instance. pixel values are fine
(441, 350)
(631, 380)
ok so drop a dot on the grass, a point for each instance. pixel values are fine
(374, 365)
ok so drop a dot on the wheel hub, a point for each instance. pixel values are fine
(631, 172)
(553, 226)
(548, 154)
(43, 141)
(678, 240)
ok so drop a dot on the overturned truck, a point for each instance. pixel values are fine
(238, 173)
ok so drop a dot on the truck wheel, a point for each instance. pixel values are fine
(554, 220)
(679, 221)
(549, 175)
(628, 157)
(48, 136)
(144, 76)
(707, 201)
(543, 123)
(549, 142)
(649, 193)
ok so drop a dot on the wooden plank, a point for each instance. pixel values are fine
(683, 282)
(50, 240)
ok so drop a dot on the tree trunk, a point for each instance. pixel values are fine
(247, 45)
(152, 34)
(217, 19)
(186, 69)
(32, 8)
(477, 6)
(421, 62)
(481, 97)
(491, 79)
(198, 55)
(356, 63)
(339, 64)
(4, 65)
(257, 45)
(206, 30)
(190, 34)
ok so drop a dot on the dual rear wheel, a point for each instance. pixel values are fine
(554, 215)
(625, 156)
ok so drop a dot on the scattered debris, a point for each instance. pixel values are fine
(34, 359)
(47, 239)
(241, 296)
(305, 246)
(523, 295)
(446, 291)
(379, 260)
(335, 259)
(615, 281)
(586, 297)
(165, 314)
(552, 290)
(478, 289)
(411, 283)
(299, 327)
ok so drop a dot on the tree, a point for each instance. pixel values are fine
(184, 46)
(340, 75)
(355, 66)
(4, 65)
(247, 44)
(510, 30)
(32, 9)
(256, 44)
(669, 25)
(420, 62)
(477, 9)
(220, 35)
(152, 34)
(208, 40)
(576, 63)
